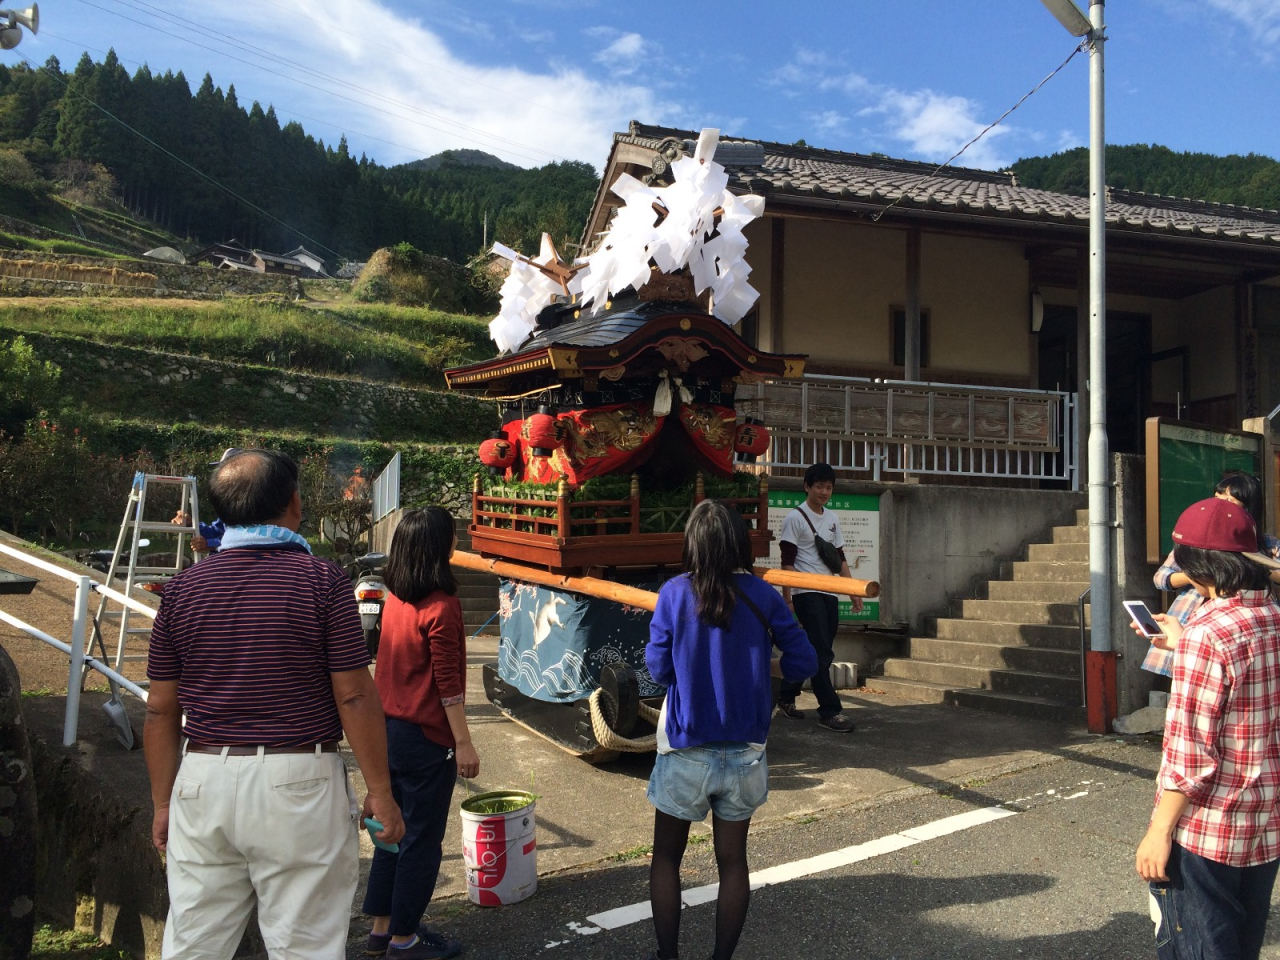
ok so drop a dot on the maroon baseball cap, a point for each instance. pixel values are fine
(1217, 524)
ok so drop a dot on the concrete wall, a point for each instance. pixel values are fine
(938, 542)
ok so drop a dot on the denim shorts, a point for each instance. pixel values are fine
(729, 778)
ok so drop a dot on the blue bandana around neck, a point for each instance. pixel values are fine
(261, 535)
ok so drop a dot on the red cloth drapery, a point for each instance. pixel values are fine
(618, 438)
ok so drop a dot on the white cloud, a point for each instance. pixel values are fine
(936, 125)
(415, 92)
(1259, 17)
(920, 123)
(828, 120)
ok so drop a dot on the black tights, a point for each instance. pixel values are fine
(670, 835)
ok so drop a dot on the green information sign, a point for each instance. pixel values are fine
(859, 517)
(1184, 462)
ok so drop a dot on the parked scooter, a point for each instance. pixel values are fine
(370, 593)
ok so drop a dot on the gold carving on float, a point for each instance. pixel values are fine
(714, 428)
(590, 435)
(685, 323)
(793, 368)
(682, 351)
(614, 373)
(565, 362)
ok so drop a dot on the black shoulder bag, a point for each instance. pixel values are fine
(775, 683)
(828, 552)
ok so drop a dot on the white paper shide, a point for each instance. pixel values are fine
(695, 222)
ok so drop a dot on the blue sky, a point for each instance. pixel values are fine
(539, 80)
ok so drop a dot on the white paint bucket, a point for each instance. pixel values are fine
(499, 847)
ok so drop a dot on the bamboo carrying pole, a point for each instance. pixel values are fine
(647, 599)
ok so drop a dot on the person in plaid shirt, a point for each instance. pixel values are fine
(1239, 488)
(1212, 849)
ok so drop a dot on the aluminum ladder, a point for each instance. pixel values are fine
(125, 556)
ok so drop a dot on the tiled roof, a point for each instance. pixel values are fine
(800, 171)
(588, 332)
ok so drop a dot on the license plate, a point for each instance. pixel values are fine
(370, 608)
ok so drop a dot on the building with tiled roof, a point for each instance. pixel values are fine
(850, 242)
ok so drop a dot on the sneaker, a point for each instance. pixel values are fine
(789, 711)
(839, 723)
(430, 946)
(377, 944)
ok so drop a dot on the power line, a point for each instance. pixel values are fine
(985, 130)
(426, 63)
(288, 110)
(254, 50)
(333, 93)
(173, 156)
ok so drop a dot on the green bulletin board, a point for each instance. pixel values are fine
(1184, 462)
(859, 516)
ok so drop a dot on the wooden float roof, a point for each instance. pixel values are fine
(638, 340)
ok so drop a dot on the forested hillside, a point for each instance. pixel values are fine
(1252, 181)
(51, 130)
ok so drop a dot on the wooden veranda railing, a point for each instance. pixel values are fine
(876, 427)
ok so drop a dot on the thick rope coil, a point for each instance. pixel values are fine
(609, 740)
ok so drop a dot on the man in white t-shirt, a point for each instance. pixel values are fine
(817, 612)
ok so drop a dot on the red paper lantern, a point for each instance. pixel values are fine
(539, 432)
(498, 453)
(751, 439)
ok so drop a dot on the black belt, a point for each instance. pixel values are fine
(329, 746)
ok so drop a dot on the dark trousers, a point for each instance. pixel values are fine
(422, 776)
(1209, 909)
(819, 614)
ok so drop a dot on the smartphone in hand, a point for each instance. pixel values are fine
(373, 826)
(1143, 618)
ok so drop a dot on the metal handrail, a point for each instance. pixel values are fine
(1084, 680)
(76, 649)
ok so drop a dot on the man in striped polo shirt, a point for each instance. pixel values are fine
(260, 646)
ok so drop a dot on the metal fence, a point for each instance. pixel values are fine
(78, 651)
(879, 427)
(386, 490)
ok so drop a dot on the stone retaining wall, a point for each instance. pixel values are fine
(60, 274)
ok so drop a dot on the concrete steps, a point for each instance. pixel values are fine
(477, 592)
(1015, 647)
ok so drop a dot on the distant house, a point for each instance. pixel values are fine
(274, 263)
(226, 263)
(309, 260)
(215, 253)
(349, 270)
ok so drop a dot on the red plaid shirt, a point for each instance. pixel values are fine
(1222, 731)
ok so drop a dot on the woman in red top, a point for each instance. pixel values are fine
(422, 679)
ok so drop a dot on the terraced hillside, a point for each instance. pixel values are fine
(172, 382)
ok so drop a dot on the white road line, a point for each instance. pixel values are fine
(782, 873)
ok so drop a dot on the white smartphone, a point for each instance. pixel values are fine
(1143, 618)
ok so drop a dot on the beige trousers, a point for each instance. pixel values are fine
(278, 830)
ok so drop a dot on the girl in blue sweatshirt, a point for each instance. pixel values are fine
(710, 643)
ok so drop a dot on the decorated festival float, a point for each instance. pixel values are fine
(616, 380)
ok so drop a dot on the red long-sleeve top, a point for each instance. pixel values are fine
(422, 662)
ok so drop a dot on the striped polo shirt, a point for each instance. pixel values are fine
(252, 634)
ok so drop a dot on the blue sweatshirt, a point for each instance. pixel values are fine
(718, 680)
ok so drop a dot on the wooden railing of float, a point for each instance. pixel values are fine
(564, 525)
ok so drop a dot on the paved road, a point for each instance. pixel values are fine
(1052, 877)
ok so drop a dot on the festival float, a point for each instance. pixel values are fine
(616, 380)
